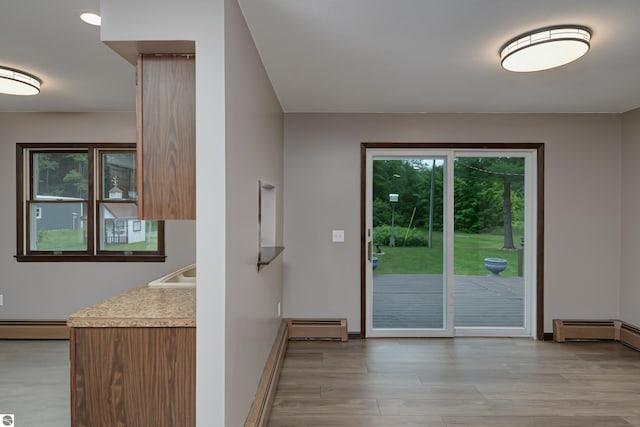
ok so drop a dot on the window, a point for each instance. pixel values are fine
(77, 202)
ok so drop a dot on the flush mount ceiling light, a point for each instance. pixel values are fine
(16, 82)
(91, 18)
(545, 48)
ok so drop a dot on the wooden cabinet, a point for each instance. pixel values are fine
(133, 376)
(166, 152)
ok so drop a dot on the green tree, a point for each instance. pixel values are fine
(61, 174)
(490, 172)
(411, 179)
(47, 164)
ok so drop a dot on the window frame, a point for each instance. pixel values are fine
(24, 192)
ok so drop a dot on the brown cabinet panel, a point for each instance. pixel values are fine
(133, 377)
(166, 152)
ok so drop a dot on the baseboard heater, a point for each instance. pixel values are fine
(318, 329)
(261, 407)
(630, 335)
(615, 330)
(583, 330)
(34, 329)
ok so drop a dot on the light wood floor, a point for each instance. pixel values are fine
(34, 382)
(473, 382)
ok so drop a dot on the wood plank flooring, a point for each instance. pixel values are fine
(471, 382)
(462, 382)
(34, 382)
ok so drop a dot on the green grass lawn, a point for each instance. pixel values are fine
(73, 240)
(61, 240)
(470, 250)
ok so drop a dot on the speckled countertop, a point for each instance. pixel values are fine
(141, 307)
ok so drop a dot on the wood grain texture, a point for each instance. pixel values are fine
(166, 137)
(475, 382)
(133, 377)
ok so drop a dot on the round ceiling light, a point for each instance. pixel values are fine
(91, 18)
(545, 48)
(16, 82)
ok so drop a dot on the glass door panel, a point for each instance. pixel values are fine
(409, 292)
(450, 240)
(489, 225)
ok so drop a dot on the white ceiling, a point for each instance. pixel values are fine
(78, 72)
(354, 56)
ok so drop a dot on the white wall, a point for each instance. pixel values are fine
(630, 292)
(238, 141)
(202, 21)
(53, 290)
(255, 147)
(582, 203)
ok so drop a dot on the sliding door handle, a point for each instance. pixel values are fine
(369, 250)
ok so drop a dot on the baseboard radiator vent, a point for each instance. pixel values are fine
(261, 408)
(34, 329)
(584, 330)
(318, 329)
(630, 335)
(616, 330)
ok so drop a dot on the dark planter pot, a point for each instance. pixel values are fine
(375, 262)
(495, 265)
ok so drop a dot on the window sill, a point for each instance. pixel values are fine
(90, 258)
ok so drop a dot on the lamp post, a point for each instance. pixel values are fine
(393, 198)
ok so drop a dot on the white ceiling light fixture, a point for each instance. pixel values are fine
(16, 82)
(545, 48)
(91, 18)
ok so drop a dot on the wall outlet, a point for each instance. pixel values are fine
(1, 299)
(337, 236)
(279, 310)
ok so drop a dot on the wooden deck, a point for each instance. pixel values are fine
(409, 301)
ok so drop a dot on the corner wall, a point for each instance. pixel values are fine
(582, 203)
(124, 20)
(254, 151)
(53, 290)
(630, 289)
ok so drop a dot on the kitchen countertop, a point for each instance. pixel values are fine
(141, 307)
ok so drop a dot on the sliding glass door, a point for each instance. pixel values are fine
(450, 244)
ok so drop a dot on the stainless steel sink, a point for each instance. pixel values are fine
(183, 278)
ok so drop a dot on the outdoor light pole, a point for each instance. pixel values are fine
(393, 198)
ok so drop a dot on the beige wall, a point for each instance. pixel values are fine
(582, 203)
(254, 151)
(630, 293)
(35, 290)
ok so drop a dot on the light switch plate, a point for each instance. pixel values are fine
(337, 236)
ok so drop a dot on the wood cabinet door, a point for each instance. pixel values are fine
(166, 151)
(133, 377)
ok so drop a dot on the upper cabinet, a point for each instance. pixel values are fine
(166, 136)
